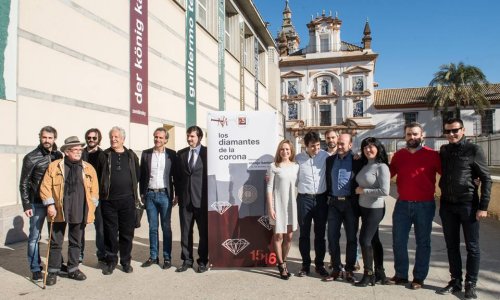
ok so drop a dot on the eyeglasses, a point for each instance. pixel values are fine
(75, 150)
(91, 138)
(454, 130)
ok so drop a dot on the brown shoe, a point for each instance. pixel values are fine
(333, 276)
(416, 284)
(349, 276)
(304, 271)
(397, 281)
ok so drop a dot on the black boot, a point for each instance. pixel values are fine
(470, 290)
(380, 276)
(368, 279)
(454, 286)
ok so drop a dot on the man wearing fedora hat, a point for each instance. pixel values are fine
(70, 192)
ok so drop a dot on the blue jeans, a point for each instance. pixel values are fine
(309, 208)
(158, 203)
(36, 225)
(420, 215)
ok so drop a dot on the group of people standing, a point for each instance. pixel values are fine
(107, 188)
(335, 187)
(328, 188)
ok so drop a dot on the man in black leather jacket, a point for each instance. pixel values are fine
(462, 162)
(35, 164)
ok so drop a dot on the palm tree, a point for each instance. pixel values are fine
(456, 86)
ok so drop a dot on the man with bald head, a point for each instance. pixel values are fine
(343, 207)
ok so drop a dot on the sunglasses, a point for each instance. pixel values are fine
(454, 130)
(91, 138)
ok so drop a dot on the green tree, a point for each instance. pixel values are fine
(456, 86)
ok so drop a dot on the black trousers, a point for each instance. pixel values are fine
(454, 216)
(75, 232)
(188, 216)
(119, 226)
(99, 235)
(312, 208)
(371, 247)
(345, 213)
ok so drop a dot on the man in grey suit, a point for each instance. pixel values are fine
(191, 190)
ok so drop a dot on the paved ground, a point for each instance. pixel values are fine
(258, 283)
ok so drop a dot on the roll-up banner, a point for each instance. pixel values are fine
(240, 150)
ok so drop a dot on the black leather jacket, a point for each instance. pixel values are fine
(35, 164)
(104, 174)
(461, 164)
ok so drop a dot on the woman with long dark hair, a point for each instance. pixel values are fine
(374, 182)
(281, 203)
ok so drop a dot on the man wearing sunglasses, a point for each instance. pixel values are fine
(461, 205)
(90, 154)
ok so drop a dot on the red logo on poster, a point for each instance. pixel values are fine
(242, 120)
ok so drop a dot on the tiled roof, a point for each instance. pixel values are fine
(345, 46)
(415, 97)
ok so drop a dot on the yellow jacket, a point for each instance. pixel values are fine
(52, 188)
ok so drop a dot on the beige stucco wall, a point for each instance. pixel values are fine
(73, 74)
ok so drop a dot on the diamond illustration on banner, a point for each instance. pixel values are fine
(264, 221)
(247, 193)
(221, 207)
(235, 246)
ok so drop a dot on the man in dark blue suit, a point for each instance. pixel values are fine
(192, 197)
(157, 191)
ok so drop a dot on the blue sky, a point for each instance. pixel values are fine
(412, 37)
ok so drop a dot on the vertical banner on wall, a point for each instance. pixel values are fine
(191, 62)
(221, 20)
(256, 71)
(238, 158)
(8, 49)
(139, 61)
(242, 65)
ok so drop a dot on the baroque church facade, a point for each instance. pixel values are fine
(329, 84)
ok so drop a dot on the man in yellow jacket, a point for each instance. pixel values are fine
(70, 192)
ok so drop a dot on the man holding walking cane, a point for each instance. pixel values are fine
(70, 192)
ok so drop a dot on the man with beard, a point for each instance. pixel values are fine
(90, 154)
(416, 167)
(35, 164)
(331, 137)
(191, 189)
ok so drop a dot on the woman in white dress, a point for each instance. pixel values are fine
(281, 203)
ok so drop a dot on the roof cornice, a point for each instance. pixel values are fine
(326, 60)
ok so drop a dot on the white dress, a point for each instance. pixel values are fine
(282, 183)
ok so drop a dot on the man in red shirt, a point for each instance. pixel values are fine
(416, 167)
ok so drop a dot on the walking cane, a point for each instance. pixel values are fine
(47, 259)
